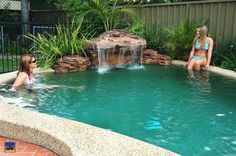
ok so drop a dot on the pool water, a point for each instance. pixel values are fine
(188, 113)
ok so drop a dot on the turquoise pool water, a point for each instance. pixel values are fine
(190, 114)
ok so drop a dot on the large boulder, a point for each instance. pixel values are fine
(71, 64)
(116, 39)
(153, 57)
(114, 43)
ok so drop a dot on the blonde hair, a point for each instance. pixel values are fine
(203, 31)
(25, 61)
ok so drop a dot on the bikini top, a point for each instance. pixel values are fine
(29, 82)
(204, 47)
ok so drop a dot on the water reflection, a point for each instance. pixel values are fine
(153, 123)
(25, 98)
(199, 80)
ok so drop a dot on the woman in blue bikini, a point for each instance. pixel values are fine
(200, 55)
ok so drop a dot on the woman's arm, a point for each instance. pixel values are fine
(192, 52)
(209, 53)
(20, 80)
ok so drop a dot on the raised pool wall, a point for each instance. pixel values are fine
(71, 138)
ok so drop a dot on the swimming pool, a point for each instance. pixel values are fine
(190, 114)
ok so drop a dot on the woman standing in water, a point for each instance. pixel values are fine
(25, 77)
(200, 55)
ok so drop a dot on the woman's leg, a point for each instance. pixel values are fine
(191, 64)
(198, 64)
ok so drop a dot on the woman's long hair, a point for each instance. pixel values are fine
(203, 35)
(25, 61)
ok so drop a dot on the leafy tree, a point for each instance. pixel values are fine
(108, 12)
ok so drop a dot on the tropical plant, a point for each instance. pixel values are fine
(229, 61)
(106, 11)
(68, 41)
(225, 54)
(137, 27)
(155, 37)
(174, 41)
(180, 39)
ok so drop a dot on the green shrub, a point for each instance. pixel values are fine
(173, 41)
(225, 54)
(109, 13)
(137, 27)
(68, 41)
(155, 37)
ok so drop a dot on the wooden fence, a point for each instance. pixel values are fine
(221, 15)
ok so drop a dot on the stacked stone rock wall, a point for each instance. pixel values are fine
(71, 64)
(115, 41)
(153, 57)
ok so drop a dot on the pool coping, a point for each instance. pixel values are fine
(67, 137)
(218, 70)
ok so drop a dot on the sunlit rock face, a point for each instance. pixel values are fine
(116, 47)
(154, 57)
(71, 64)
(117, 39)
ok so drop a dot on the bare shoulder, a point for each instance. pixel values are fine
(22, 74)
(210, 40)
(20, 79)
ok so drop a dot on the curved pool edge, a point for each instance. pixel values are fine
(218, 70)
(67, 137)
(12, 75)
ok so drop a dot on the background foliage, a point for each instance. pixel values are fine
(107, 12)
(173, 41)
(104, 15)
(68, 41)
(225, 54)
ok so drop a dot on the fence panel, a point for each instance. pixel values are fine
(10, 4)
(13, 45)
(221, 15)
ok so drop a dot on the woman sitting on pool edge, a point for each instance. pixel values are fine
(25, 73)
(200, 55)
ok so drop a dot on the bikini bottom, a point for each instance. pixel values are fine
(197, 58)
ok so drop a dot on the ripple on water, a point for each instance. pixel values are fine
(161, 105)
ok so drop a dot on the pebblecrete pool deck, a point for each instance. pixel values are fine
(66, 137)
(70, 138)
